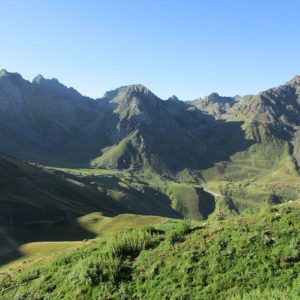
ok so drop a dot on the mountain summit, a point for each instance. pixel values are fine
(130, 128)
(3, 73)
(295, 80)
(38, 79)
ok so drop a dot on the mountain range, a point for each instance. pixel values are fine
(131, 151)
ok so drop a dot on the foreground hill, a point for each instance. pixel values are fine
(254, 256)
(22, 247)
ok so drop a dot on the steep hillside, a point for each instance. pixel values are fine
(29, 194)
(254, 256)
(242, 150)
(45, 121)
(268, 168)
(276, 110)
(129, 128)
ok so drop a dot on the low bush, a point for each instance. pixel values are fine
(178, 234)
(131, 242)
(102, 268)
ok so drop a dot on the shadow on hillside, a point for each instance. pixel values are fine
(66, 228)
(55, 231)
(217, 140)
(205, 141)
(132, 196)
(197, 142)
(9, 257)
(182, 136)
(207, 203)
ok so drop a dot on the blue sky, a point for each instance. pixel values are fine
(187, 48)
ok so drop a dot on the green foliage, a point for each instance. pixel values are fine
(254, 256)
(179, 232)
(131, 242)
(27, 277)
(101, 268)
(190, 200)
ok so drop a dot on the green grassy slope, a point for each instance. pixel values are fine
(23, 247)
(142, 192)
(29, 194)
(254, 256)
(251, 177)
(191, 201)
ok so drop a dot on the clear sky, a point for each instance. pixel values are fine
(189, 48)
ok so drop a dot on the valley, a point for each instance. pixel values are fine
(169, 178)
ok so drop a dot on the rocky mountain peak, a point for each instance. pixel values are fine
(173, 98)
(131, 94)
(295, 80)
(213, 97)
(127, 90)
(6, 74)
(138, 88)
(38, 79)
(54, 84)
(3, 73)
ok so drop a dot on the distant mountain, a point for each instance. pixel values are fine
(270, 165)
(129, 128)
(277, 111)
(149, 132)
(215, 105)
(245, 149)
(44, 120)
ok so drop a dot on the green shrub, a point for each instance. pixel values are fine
(30, 276)
(273, 294)
(102, 268)
(177, 235)
(131, 242)
(113, 267)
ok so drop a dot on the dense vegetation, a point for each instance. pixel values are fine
(253, 256)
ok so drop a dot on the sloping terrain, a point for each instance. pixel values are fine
(254, 256)
(129, 128)
(78, 172)
(242, 150)
(29, 194)
(269, 167)
(32, 195)
(23, 247)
